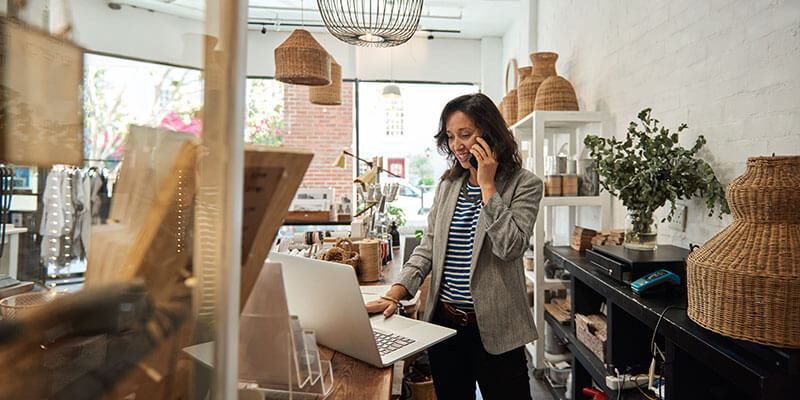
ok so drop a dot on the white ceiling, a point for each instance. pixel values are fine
(468, 19)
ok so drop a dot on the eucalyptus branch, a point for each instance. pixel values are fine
(649, 168)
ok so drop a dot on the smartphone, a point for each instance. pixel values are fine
(474, 161)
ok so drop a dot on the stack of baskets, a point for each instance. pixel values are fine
(745, 282)
(540, 89)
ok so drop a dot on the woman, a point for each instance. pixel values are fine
(478, 229)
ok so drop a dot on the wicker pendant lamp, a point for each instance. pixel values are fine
(745, 282)
(329, 95)
(371, 23)
(300, 60)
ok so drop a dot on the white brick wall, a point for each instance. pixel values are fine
(730, 69)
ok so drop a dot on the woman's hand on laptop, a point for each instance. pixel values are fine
(387, 304)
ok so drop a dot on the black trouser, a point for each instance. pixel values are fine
(459, 361)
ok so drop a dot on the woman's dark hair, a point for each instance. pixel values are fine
(490, 123)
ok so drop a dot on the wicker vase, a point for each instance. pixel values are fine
(556, 94)
(300, 60)
(544, 66)
(330, 95)
(745, 281)
(524, 74)
(510, 99)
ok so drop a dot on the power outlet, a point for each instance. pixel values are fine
(679, 218)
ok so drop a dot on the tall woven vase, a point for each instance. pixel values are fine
(544, 66)
(745, 282)
(524, 74)
(510, 99)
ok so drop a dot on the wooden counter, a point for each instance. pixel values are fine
(355, 379)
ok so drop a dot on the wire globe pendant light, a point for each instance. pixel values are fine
(371, 23)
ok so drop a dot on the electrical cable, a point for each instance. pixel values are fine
(643, 393)
(654, 347)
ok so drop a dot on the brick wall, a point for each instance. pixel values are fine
(728, 68)
(325, 130)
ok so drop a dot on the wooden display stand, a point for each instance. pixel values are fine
(271, 178)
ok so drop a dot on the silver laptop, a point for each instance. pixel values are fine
(326, 298)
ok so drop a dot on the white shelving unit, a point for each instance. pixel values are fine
(539, 134)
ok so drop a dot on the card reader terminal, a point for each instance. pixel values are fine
(660, 279)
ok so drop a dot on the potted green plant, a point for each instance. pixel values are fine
(649, 168)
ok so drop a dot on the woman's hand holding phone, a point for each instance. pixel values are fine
(486, 163)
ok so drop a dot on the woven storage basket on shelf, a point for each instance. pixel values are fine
(544, 66)
(745, 281)
(510, 99)
(328, 95)
(556, 94)
(300, 60)
(524, 73)
(500, 106)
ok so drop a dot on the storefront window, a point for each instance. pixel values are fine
(397, 121)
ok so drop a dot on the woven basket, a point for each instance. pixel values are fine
(556, 94)
(300, 60)
(344, 252)
(510, 99)
(524, 74)
(745, 281)
(329, 95)
(500, 106)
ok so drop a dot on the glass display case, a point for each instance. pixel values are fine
(123, 197)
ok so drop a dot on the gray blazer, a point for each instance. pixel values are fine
(497, 280)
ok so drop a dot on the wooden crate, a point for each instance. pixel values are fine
(591, 331)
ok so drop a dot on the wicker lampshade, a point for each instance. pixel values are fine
(556, 94)
(329, 95)
(300, 60)
(745, 281)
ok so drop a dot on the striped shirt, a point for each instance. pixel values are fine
(458, 259)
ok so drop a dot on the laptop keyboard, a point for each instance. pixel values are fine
(389, 342)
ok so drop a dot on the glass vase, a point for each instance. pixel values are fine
(640, 231)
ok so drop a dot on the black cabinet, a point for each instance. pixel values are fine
(700, 364)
